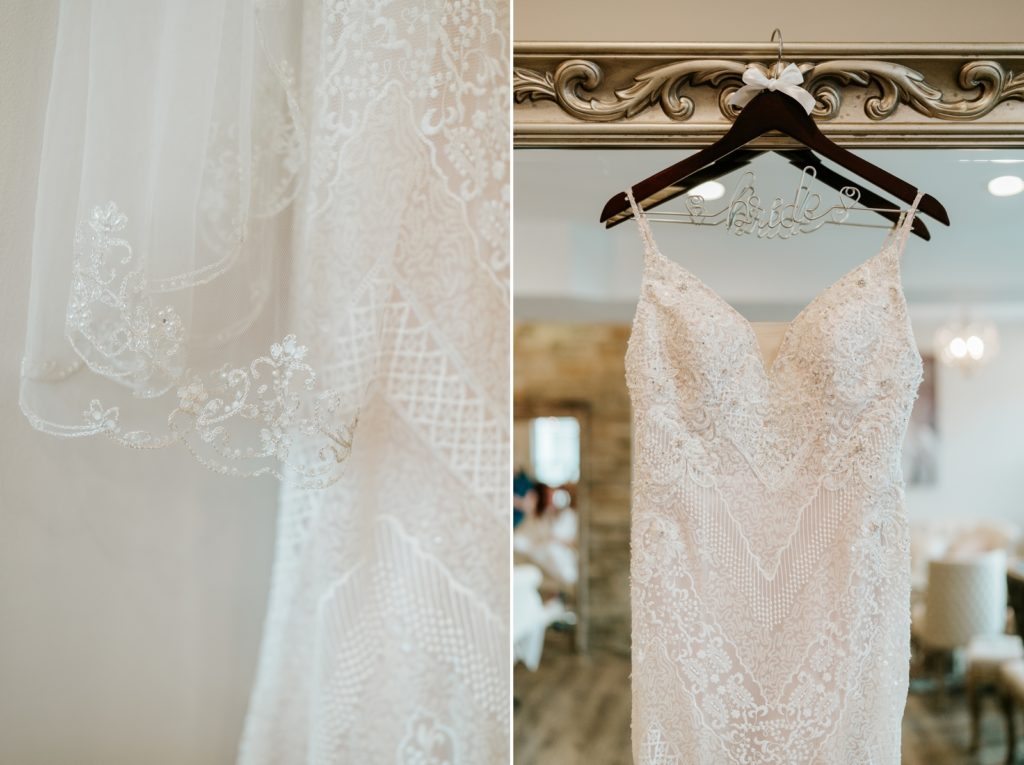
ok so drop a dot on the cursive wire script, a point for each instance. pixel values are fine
(782, 219)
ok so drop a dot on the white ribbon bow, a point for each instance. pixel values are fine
(788, 82)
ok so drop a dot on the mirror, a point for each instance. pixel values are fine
(575, 293)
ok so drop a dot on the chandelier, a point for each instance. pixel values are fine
(967, 344)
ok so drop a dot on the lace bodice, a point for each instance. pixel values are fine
(770, 566)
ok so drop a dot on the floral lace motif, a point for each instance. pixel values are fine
(244, 421)
(112, 322)
(426, 743)
(770, 575)
(272, 394)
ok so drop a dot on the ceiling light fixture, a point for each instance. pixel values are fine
(1006, 186)
(967, 345)
(709, 190)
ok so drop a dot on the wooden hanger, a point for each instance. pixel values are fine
(799, 158)
(767, 111)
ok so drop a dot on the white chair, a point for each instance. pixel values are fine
(957, 538)
(985, 656)
(1011, 688)
(965, 600)
(531, 616)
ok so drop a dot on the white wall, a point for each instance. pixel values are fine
(131, 602)
(981, 436)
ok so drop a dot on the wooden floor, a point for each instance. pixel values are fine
(575, 711)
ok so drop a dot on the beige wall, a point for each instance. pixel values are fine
(131, 603)
(681, 21)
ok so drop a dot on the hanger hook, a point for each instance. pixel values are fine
(778, 61)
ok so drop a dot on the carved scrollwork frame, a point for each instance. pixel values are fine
(867, 95)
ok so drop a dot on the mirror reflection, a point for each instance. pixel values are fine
(576, 291)
(546, 533)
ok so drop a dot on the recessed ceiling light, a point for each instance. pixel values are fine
(1006, 185)
(708, 190)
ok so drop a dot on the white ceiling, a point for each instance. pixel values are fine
(568, 267)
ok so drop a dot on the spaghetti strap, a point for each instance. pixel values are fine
(907, 224)
(645, 226)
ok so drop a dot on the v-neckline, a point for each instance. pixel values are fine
(769, 337)
(769, 369)
(895, 237)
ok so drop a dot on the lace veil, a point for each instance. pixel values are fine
(173, 151)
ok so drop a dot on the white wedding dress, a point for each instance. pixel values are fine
(387, 635)
(770, 556)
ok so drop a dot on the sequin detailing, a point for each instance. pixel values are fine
(278, 394)
(112, 322)
(242, 421)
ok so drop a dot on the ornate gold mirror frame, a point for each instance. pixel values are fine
(639, 95)
(656, 96)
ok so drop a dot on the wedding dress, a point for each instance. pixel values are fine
(387, 635)
(275, 232)
(770, 570)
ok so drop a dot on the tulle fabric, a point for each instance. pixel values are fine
(173, 150)
(275, 233)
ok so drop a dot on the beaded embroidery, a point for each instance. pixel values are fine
(241, 420)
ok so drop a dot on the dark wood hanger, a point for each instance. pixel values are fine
(767, 111)
(802, 158)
